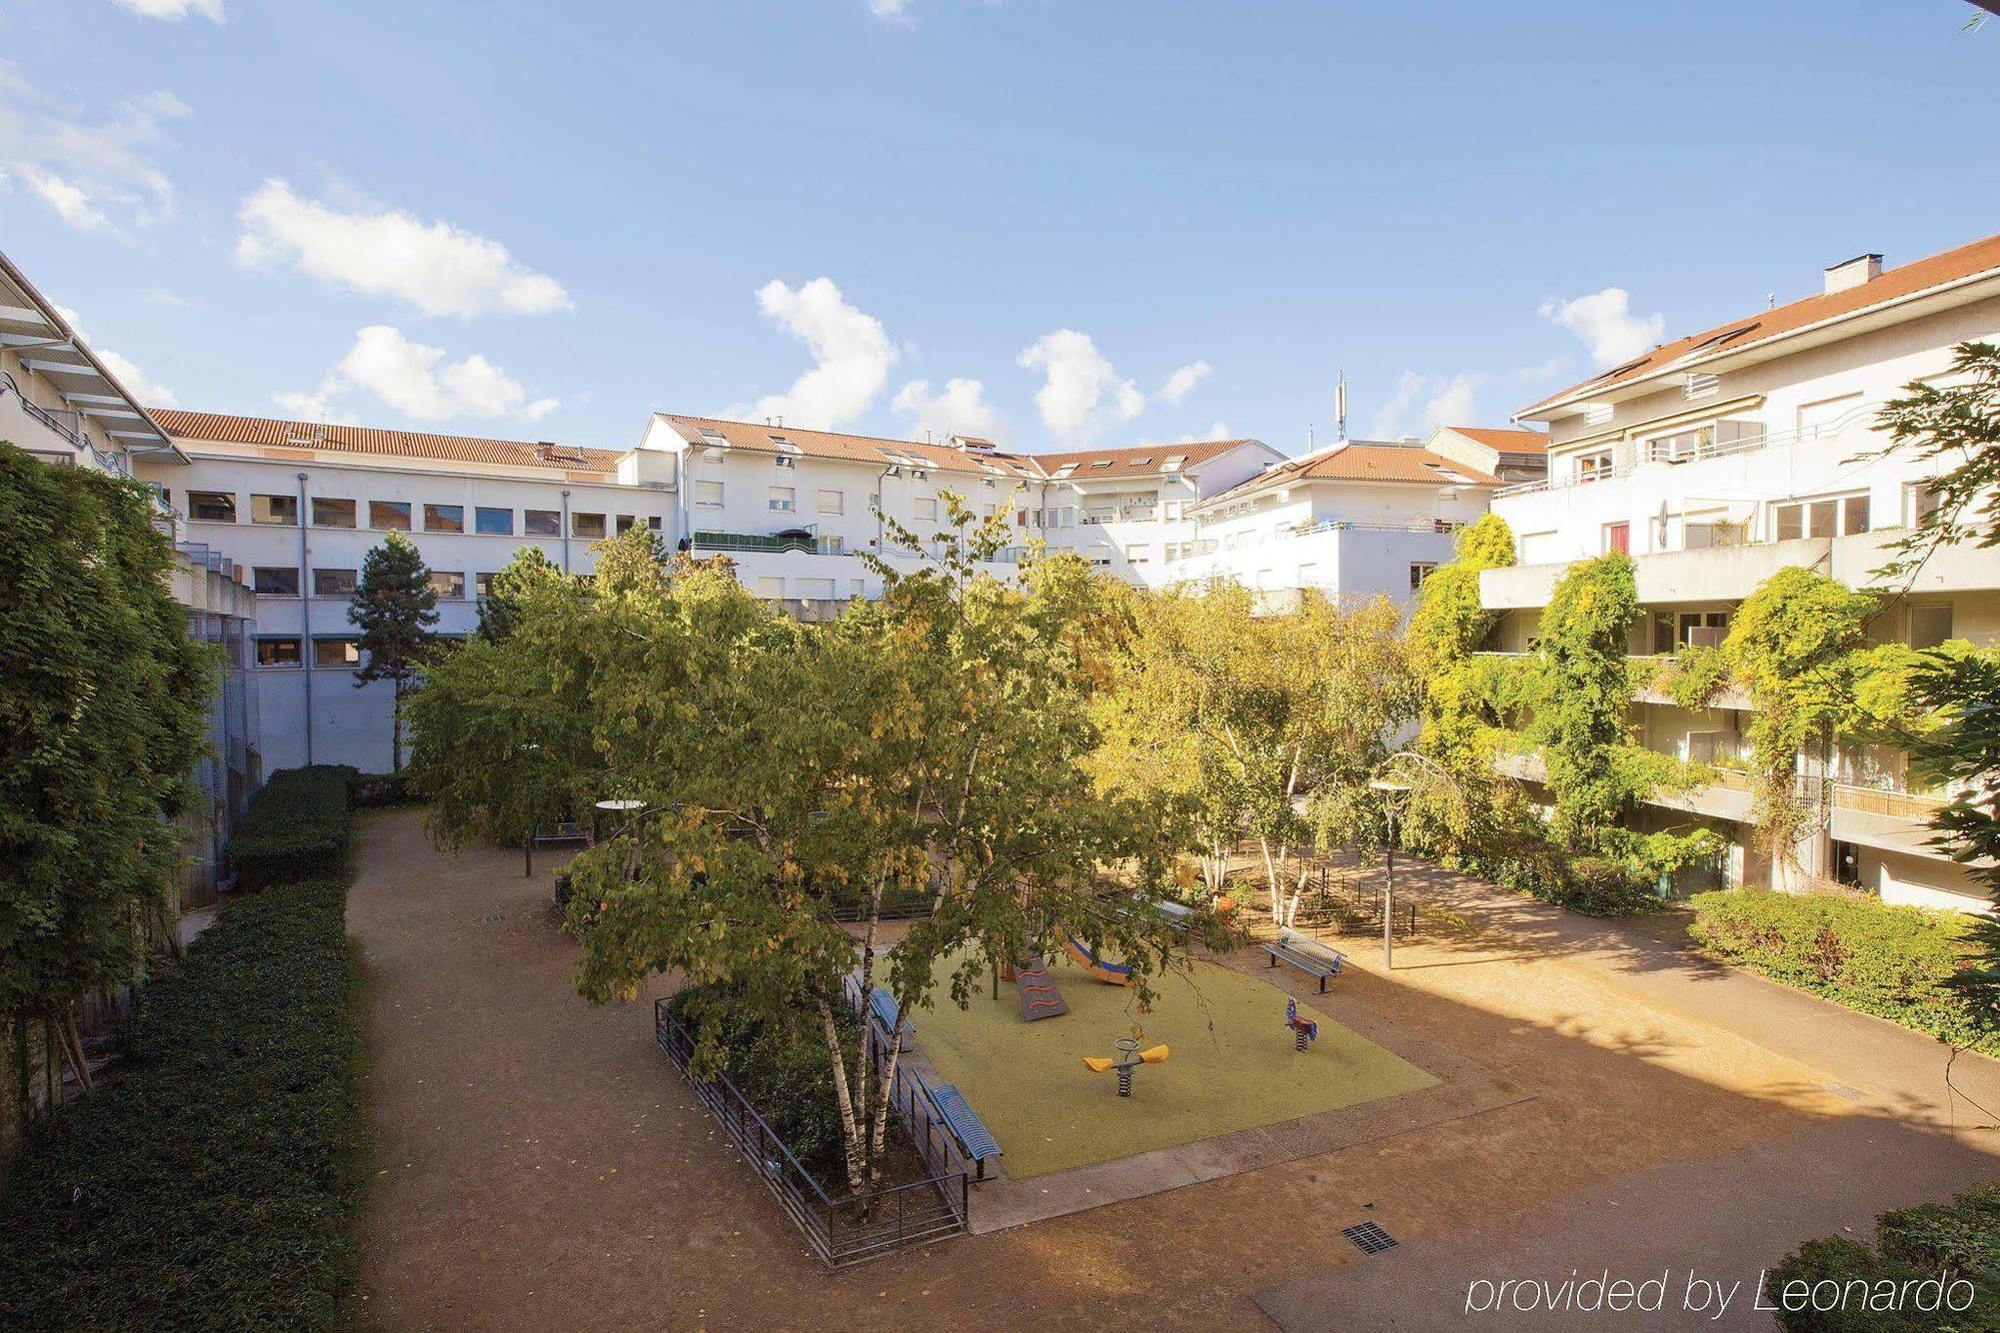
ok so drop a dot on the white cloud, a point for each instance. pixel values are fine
(892, 11)
(1081, 396)
(851, 356)
(439, 268)
(1605, 322)
(1217, 431)
(98, 176)
(416, 380)
(149, 391)
(173, 10)
(71, 204)
(1437, 400)
(960, 409)
(1182, 381)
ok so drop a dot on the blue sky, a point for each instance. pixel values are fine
(544, 221)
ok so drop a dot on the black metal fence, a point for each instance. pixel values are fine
(856, 1227)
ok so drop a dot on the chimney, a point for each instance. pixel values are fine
(1851, 274)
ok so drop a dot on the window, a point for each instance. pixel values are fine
(1921, 503)
(275, 582)
(1309, 575)
(926, 508)
(1138, 553)
(482, 585)
(541, 522)
(448, 584)
(493, 522)
(275, 509)
(444, 518)
(333, 513)
(336, 652)
(1929, 625)
(833, 502)
(783, 499)
(816, 589)
(392, 515)
(1854, 514)
(1593, 467)
(1172, 510)
(1419, 571)
(334, 582)
(786, 462)
(277, 652)
(586, 525)
(212, 506)
(1699, 629)
(622, 524)
(653, 522)
(857, 587)
(1618, 537)
(771, 585)
(1820, 518)
(708, 493)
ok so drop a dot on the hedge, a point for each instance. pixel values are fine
(297, 826)
(1958, 1242)
(210, 1183)
(1893, 962)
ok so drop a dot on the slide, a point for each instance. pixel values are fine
(1111, 974)
(1039, 996)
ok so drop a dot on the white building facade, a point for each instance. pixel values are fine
(1721, 458)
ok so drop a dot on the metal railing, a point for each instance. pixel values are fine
(855, 1227)
(1627, 458)
(1246, 540)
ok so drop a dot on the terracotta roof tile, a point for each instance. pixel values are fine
(1919, 275)
(1506, 441)
(223, 428)
(1400, 464)
(870, 449)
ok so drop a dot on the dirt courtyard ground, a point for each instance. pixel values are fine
(541, 1166)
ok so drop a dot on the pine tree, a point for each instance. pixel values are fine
(394, 608)
(500, 608)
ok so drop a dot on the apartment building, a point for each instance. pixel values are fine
(1724, 456)
(1357, 519)
(60, 403)
(297, 506)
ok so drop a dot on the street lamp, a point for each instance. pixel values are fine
(1391, 791)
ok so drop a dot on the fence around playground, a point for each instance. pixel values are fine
(846, 1229)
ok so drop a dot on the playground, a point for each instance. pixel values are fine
(1231, 1064)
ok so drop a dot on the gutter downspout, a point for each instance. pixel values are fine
(307, 654)
(565, 531)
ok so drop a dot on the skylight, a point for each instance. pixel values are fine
(1065, 469)
(785, 444)
(1142, 460)
(1102, 462)
(714, 437)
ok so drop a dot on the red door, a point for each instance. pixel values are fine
(1618, 537)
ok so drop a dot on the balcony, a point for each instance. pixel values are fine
(1667, 578)
(760, 543)
(1647, 676)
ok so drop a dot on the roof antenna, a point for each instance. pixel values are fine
(1770, 300)
(1309, 437)
(1340, 406)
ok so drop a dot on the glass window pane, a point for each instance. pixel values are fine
(274, 509)
(542, 523)
(212, 506)
(1929, 626)
(330, 513)
(448, 584)
(708, 492)
(277, 652)
(493, 522)
(393, 515)
(444, 518)
(1854, 514)
(334, 582)
(275, 582)
(1822, 515)
(336, 652)
(586, 525)
(1791, 522)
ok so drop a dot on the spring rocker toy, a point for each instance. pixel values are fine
(1129, 1058)
(1304, 1030)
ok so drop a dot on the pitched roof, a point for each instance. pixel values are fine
(1133, 460)
(871, 449)
(1919, 275)
(1506, 441)
(266, 431)
(1361, 460)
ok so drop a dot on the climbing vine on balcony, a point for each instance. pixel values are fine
(1581, 688)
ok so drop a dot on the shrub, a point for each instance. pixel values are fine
(1893, 962)
(210, 1184)
(296, 828)
(1958, 1240)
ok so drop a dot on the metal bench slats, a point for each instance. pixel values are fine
(964, 1123)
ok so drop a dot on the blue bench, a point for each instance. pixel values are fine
(1178, 915)
(1312, 958)
(883, 1005)
(974, 1139)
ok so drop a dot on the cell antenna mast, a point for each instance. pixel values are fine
(1340, 407)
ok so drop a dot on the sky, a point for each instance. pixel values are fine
(1055, 223)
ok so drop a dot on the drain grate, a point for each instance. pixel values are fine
(1369, 1238)
(492, 919)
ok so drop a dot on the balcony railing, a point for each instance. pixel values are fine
(1245, 540)
(1671, 451)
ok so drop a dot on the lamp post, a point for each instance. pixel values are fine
(1391, 791)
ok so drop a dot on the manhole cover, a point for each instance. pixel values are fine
(1369, 1238)
(492, 919)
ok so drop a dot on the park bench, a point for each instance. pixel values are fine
(567, 830)
(1308, 956)
(1178, 915)
(975, 1141)
(883, 1005)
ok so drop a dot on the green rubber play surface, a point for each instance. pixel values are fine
(1232, 1066)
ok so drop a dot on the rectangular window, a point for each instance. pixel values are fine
(482, 585)
(449, 585)
(1618, 537)
(1921, 502)
(586, 525)
(336, 652)
(1593, 467)
(1854, 514)
(541, 522)
(334, 582)
(1929, 625)
(926, 508)
(857, 587)
(444, 518)
(389, 515)
(783, 499)
(708, 493)
(786, 461)
(833, 502)
(277, 652)
(1831, 517)
(1172, 510)
(816, 589)
(653, 522)
(1703, 629)
(1138, 554)
(771, 585)
(330, 513)
(1822, 519)
(622, 524)
(212, 506)
(493, 522)
(1419, 571)
(275, 582)
(281, 510)
(1789, 523)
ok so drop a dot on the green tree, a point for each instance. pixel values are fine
(394, 607)
(102, 713)
(1582, 696)
(499, 608)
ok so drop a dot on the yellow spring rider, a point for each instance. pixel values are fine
(1129, 1058)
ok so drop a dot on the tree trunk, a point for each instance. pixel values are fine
(396, 730)
(850, 1131)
